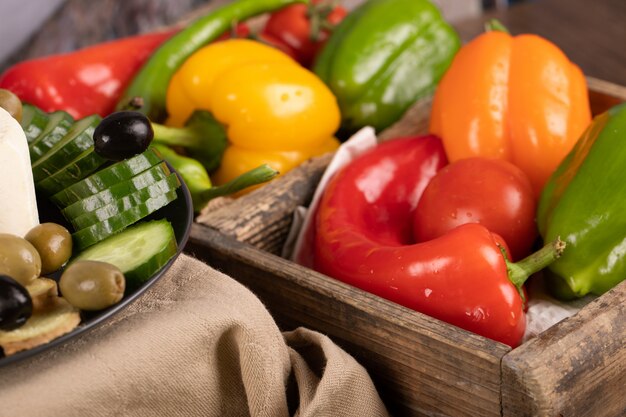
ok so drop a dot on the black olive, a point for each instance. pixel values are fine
(122, 134)
(16, 306)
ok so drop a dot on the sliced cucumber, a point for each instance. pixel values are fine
(91, 235)
(89, 218)
(139, 251)
(117, 191)
(34, 121)
(85, 164)
(109, 176)
(59, 124)
(78, 139)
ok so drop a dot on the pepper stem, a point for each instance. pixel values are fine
(258, 175)
(535, 262)
(494, 25)
(173, 136)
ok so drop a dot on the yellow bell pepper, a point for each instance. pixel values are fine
(274, 110)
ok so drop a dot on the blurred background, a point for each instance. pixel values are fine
(24, 25)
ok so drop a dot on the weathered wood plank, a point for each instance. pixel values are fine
(263, 217)
(604, 95)
(575, 368)
(421, 365)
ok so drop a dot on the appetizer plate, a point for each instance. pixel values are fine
(180, 214)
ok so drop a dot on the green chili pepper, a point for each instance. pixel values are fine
(153, 79)
(199, 183)
(584, 203)
(384, 56)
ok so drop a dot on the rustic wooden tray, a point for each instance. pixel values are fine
(420, 365)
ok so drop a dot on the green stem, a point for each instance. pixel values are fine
(173, 136)
(258, 175)
(494, 25)
(520, 271)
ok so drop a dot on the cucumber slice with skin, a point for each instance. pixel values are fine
(139, 251)
(59, 124)
(34, 121)
(107, 177)
(78, 139)
(93, 234)
(85, 164)
(90, 218)
(117, 191)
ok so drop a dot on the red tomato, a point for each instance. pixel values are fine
(242, 30)
(304, 28)
(276, 43)
(492, 192)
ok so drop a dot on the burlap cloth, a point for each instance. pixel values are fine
(196, 344)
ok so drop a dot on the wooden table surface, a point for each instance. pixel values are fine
(591, 33)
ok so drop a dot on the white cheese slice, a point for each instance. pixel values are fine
(18, 204)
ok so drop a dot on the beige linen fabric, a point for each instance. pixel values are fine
(196, 344)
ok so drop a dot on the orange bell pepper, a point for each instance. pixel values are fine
(515, 98)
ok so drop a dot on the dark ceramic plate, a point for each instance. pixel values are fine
(179, 212)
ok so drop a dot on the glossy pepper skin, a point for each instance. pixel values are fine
(304, 28)
(384, 56)
(274, 111)
(364, 238)
(85, 82)
(584, 202)
(152, 81)
(515, 98)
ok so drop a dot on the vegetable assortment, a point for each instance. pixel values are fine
(152, 80)
(103, 201)
(363, 237)
(432, 222)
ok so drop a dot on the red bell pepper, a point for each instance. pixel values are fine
(84, 82)
(364, 238)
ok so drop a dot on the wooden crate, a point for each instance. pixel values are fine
(420, 365)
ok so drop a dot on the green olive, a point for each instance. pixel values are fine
(11, 103)
(19, 259)
(54, 244)
(92, 285)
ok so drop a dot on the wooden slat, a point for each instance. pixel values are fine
(603, 95)
(420, 365)
(575, 368)
(264, 216)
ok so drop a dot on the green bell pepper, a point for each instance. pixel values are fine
(584, 203)
(384, 56)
